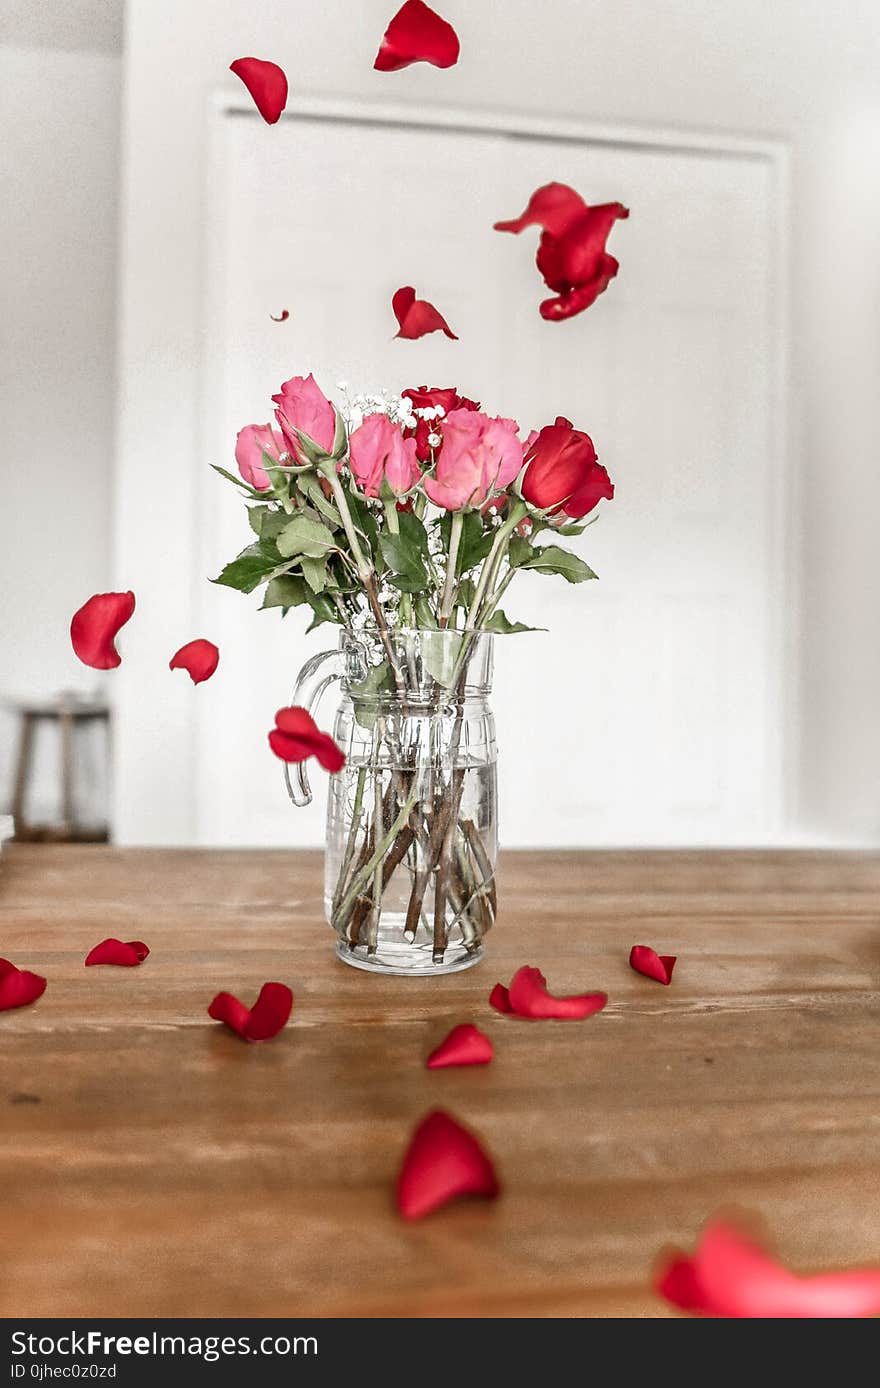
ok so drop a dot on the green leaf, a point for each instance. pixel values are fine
(315, 572)
(365, 523)
(499, 622)
(237, 481)
(440, 652)
(267, 522)
(424, 616)
(519, 551)
(475, 543)
(304, 536)
(405, 561)
(287, 591)
(378, 678)
(555, 560)
(323, 609)
(404, 584)
(467, 591)
(573, 528)
(249, 570)
(311, 486)
(413, 532)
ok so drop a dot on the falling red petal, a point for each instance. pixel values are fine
(499, 998)
(529, 997)
(554, 208)
(296, 736)
(18, 987)
(267, 84)
(465, 1045)
(443, 1161)
(199, 658)
(95, 626)
(653, 965)
(269, 1014)
(127, 953)
(416, 317)
(282, 316)
(730, 1276)
(417, 34)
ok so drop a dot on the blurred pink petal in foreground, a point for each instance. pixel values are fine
(730, 1276)
(443, 1161)
(417, 34)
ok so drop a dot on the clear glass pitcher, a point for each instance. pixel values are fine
(412, 816)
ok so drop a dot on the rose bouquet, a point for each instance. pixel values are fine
(404, 519)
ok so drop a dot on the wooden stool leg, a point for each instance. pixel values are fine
(22, 771)
(67, 810)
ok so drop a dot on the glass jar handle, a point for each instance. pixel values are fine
(314, 678)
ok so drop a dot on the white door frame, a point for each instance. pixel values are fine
(782, 499)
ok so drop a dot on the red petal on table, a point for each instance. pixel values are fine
(267, 84)
(199, 658)
(442, 1162)
(18, 987)
(465, 1045)
(529, 997)
(653, 965)
(499, 998)
(554, 207)
(416, 317)
(417, 34)
(282, 317)
(730, 1276)
(125, 953)
(296, 736)
(94, 627)
(265, 1019)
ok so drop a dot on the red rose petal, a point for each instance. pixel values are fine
(465, 1045)
(296, 736)
(416, 317)
(282, 316)
(729, 1276)
(124, 953)
(199, 658)
(18, 987)
(417, 34)
(442, 1162)
(499, 998)
(96, 624)
(262, 1021)
(653, 965)
(529, 997)
(553, 208)
(575, 300)
(267, 84)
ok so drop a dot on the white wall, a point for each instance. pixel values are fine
(797, 69)
(59, 116)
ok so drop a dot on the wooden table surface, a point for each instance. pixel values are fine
(152, 1164)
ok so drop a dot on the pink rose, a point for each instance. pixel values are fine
(377, 450)
(480, 456)
(252, 443)
(303, 406)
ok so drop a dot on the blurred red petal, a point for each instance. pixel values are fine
(554, 207)
(729, 1276)
(529, 997)
(127, 953)
(653, 965)
(573, 301)
(442, 1162)
(417, 34)
(296, 736)
(416, 317)
(264, 1020)
(267, 84)
(499, 998)
(199, 658)
(94, 627)
(282, 317)
(18, 987)
(465, 1045)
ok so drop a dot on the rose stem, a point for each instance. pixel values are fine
(373, 927)
(455, 533)
(377, 855)
(352, 838)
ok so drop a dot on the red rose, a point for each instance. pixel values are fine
(563, 473)
(423, 398)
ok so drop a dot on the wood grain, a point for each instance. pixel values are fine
(151, 1164)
